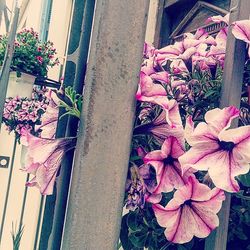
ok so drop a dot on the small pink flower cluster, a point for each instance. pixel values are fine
(24, 112)
(213, 147)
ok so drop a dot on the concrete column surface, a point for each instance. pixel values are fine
(100, 168)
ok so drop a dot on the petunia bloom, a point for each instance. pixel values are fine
(241, 30)
(219, 19)
(191, 212)
(166, 165)
(184, 49)
(223, 152)
(148, 90)
(161, 129)
(43, 159)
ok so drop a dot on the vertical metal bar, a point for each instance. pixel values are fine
(23, 203)
(45, 19)
(4, 74)
(8, 188)
(100, 166)
(231, 95)
(74, 75)
(38, 227)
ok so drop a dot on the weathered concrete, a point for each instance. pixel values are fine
(100, 168)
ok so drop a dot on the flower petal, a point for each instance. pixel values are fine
(199, 157)
(199, 135)
(220, 119)
(222, 170)
(46, 174)
(148, 89)
(241, 30)
(218, 19)
(241, 137)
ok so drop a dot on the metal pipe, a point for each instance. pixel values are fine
(4, 74)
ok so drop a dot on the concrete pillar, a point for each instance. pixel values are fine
(98, 180)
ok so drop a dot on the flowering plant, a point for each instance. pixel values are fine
(25, 112)
(184, 154)
(31, 55)
(45, 152)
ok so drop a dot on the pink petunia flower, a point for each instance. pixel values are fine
(223, 152)
(39, 59)
(43, 159)
(162, 77)
(148, 66)
(166, 165)
(160, 128)
(184, 49)
(148, 90)
(148, 50)
(191, 212)
(241, 30)
(218, 19)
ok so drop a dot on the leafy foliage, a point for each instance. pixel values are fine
(31, 55)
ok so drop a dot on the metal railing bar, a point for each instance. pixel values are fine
(4, 74)
(8, 188)
(24, 203)
(39, 223)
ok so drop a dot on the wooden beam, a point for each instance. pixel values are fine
(231, 95)
(102, 153)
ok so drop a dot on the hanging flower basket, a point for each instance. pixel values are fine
(32, 58)
(20, 86)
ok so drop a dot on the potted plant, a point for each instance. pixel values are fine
(32, 58)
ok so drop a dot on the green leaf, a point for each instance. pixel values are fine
(133, 220)
(138, 239)
(126, 244)
(245, 179)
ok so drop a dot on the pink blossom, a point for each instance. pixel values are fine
(191, 212)
(166, 165)
(171, 109)
(221, 151)
(148, 66)
(219, 19)
(43, 159)
(178, 66)
(162, 77)
(202, 59)
(160, 128)
(148, 90)
(241, 30)
(221, 37)
(39, 59)
(148, 50)
(184, 49)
